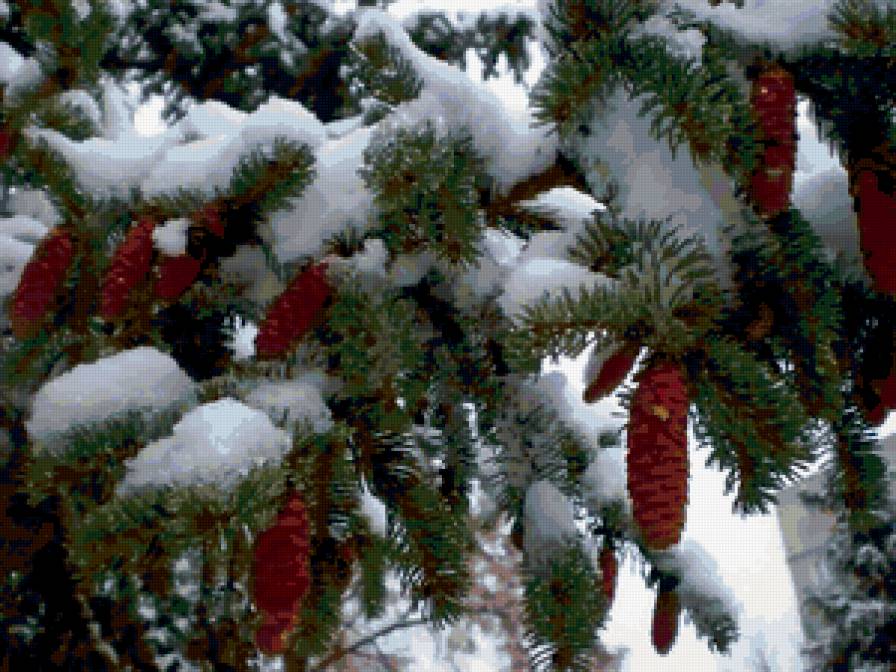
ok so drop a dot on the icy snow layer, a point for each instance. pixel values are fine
(566, 205)
(336, 200)
(604, 481)
(654, 185)
(374, 511)
(18, 237)
(161, 164)
(139, 379)
(35, 204)
(299, 400)
(372, 259)
(14, 254)
(449, 98)
(497, 250)
(24, 228)
(549, 522)
(824, 200)
(701, 587)
(118, 111)
(681, 43)
(248, 267)
(539, 277)
(571, 209)
(215, 443)
(171, 237)
(16, 72)
(786, 24)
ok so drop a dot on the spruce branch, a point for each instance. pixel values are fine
(491, 36)
(866, 28)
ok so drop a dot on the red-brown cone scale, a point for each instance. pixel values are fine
(293, 312)
(665, 621)
(175, 275)
(130, 265)
(281, 573)
(612, 372)
(773, 103)
(876, 213)
(609, 567)
(657, 458)
(40, 282)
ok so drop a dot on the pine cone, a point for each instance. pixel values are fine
(281, 571)
(773, 102)
(40, 282)
(665, 621)
(293, 312)
(609, 373)
(175, 275)
(877, 230)
(608, 569)
(657, 457)
(129, 266)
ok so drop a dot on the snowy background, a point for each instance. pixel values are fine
(747, 554)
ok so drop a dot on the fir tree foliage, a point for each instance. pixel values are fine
(489, 36)
(427, 396)
(426, 187)
(564, 608)
(856, 601)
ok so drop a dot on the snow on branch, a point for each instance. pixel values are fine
(216, 443)
(142, 378)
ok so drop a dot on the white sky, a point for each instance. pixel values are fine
(749, 552)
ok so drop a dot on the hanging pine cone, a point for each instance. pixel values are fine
(131, 263)
(665, 621)
(657, 457)
(281, 573)
(175, 275)
(293, 312)
(40, 282)
(773, 102)
(606, 371)
(876, 209)
(609, 567)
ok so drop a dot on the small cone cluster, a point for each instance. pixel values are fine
(609, 567)
(130, 265)
(607, 370)
(293, 312)
(665, 620)
(281, 574)
(773, 103)
(40, 282)
(657, 458)
(876, 213)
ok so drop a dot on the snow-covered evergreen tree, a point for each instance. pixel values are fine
(254, 368)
